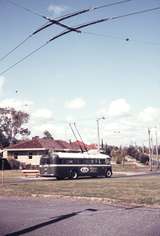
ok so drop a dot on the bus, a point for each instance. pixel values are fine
(73, 165)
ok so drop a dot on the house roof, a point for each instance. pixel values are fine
(45, 143)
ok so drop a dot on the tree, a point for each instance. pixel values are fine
(108, 149)
(47, 134)
(11, 122)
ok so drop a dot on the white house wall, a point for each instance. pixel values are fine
(25, 159)
(29, 156)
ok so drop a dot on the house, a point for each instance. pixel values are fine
(28, 152)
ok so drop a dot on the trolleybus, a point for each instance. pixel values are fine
(72, 165)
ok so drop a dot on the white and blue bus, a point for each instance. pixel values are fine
(72, 165)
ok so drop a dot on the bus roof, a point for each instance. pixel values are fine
(82, 155)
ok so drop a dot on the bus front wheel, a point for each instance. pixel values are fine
(108, 174)
(73, 175)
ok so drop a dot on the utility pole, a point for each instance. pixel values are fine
(2, 177)
(157, 157)
(150, 154)
(98, 132)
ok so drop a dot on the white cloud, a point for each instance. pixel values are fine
(118, 107)
(150, 115)
(76, 103)
(40, 128)
(42, 114)
(24, 105)
(70, 119)
(57, 10)
(125, 127)
(117, 129)
(2, 79)
(102, 112)
(58, 131)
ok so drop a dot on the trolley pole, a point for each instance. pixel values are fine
(150, 154)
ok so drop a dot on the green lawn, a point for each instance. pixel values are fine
(129, 167)
(138, 190)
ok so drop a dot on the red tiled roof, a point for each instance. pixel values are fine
(43, 143)
(64, 144)
(84, 146)
(34, 143)
(50, 144)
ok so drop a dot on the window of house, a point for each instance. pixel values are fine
(15, 156)
(30, 155)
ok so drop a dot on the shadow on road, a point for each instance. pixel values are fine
(52, 221)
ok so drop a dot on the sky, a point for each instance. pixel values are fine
(110, 70)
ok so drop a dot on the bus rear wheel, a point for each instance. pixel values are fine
(108, 174)
(73, 175)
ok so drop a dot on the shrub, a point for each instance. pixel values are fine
(118, 160)
(14, 164)
(6, 165)
(143, 158)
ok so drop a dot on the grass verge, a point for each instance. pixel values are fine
(138, 190)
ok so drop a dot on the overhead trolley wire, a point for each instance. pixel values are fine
(83, 11)
(56, 21)
(78, 13)
(80, 27)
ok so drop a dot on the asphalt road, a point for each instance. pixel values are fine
(61, 217)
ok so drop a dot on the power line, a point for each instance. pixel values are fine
(24, 8)
(28, 55)
(80, 27)
(127, 39)
(111, 4)
(40, 29)
(55, 21)
(66, 15)
(12, 50)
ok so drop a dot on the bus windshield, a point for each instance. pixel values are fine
(48, 159)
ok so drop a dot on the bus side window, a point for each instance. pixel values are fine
(76, 161)
(69, 161)
(96, 161)
(102, 161)
(79, 161)
(93, 161)
(85, 161)
(66, 161)
(62, 161)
